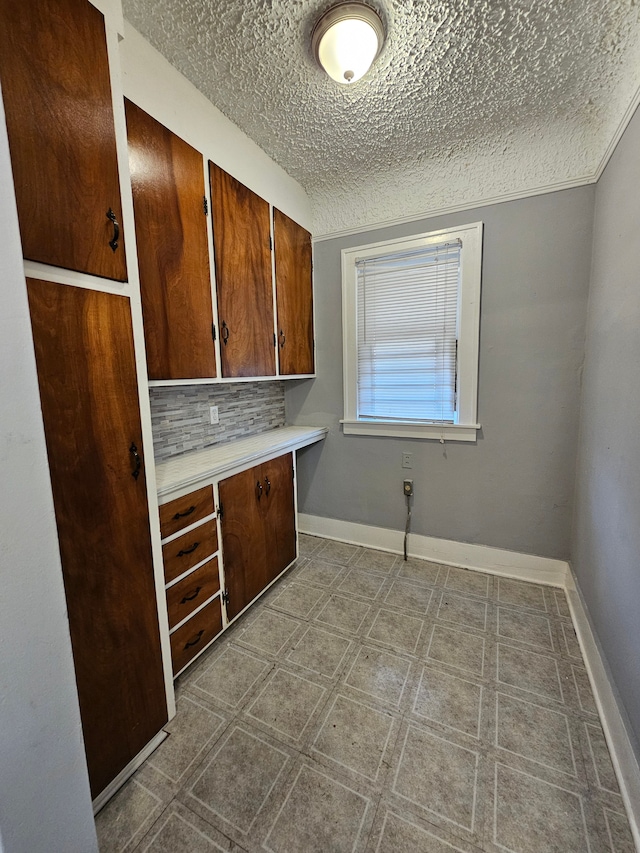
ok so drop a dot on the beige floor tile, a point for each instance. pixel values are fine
(527, 670)
(364, 585)
(232, 677)
(521, 593)
(192, 733)
(321, 573)
(337, 552)
(532, 816)
(466, 581)
(439, 776)
(320, 651)
(124, 820)
(409, 597)
(583, 688)
(269, 632)
(405, 833)
(451, 701)
(309, 544)
(237, 779)
(457, 649)
(525, 628)
(376, 561)
(598, 752)
(422, 571)
(463, 611)
(379, 674)
(320, 814)
(297, 599)
(618, 832)
(571, 644)
(539, 734)
(344, 613)
(356, 737)
(401, 633)
(179, 830)
(286, 704)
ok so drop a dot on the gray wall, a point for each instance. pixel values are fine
(606, 534)
(45, 804)
(512, 489)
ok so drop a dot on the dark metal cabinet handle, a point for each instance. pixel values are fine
(191, 597)
(134, 450)
(225, 333)
(268, 485)
(258, 489)
(196, 641)
(116, 229)
(283, 339)
(184, 514)
(188, 550)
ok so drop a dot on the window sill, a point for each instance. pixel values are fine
(435, 432)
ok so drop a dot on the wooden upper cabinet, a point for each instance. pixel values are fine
(56, 88)
(88, 389)
(167, 177)
(294, 295)
(241, 239)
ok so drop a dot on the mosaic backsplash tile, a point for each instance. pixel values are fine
(180, 414)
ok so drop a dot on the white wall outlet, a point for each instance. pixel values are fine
(213, 411)
(407, 460)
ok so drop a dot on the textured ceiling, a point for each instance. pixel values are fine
(469, 99)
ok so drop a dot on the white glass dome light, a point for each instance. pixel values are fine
(346, 40)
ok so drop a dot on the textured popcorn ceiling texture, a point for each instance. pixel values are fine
(469, 100)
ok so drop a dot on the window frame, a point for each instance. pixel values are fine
(465, 425)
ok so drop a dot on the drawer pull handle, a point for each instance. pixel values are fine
(283, 339)
(225, 333)
(188, 550)
(268, 482)
(184, 514)
(196, 641)
(258, 489)
(191, 597)
(134, 450)
(116, 230)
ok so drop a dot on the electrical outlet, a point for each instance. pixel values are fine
(407, 460)
(407, 488)
(213, 411)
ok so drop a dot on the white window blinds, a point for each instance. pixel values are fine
(407, 317)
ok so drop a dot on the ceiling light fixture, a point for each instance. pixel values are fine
(346, 40)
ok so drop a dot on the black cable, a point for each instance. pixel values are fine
(408, 525)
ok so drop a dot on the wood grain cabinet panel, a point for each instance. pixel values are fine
(187, 595)
(167, 178)
(186, 510)
(186, 551)
(56, 88)
(241, 239)
(194, 635)
(88, 389)
(294, 295)
(258, 529)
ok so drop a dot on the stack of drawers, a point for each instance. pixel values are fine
(191, 574)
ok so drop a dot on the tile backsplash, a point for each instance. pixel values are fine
(180, 416)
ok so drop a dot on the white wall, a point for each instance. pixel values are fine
(45, 804)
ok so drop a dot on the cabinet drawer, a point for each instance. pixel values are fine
(187, 550)
(194, 635)
(185, 510)
(188, 594)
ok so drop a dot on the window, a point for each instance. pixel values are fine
(411, 321)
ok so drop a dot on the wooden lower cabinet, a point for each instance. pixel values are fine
(88, 389)
(192, 637)
(258, 529)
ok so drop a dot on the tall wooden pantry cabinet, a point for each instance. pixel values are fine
(54, 70)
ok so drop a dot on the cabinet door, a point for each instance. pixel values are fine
(294, 295)
(243, 538)
(167, 178)
(88, 389)
(241, 236)
(278, 514)
(57, 94)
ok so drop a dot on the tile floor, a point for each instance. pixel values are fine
(368, 705)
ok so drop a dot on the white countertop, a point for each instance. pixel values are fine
(194, 466)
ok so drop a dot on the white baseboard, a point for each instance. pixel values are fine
(615, 731)
(495, 561)
(525, 567)
(125, 774)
